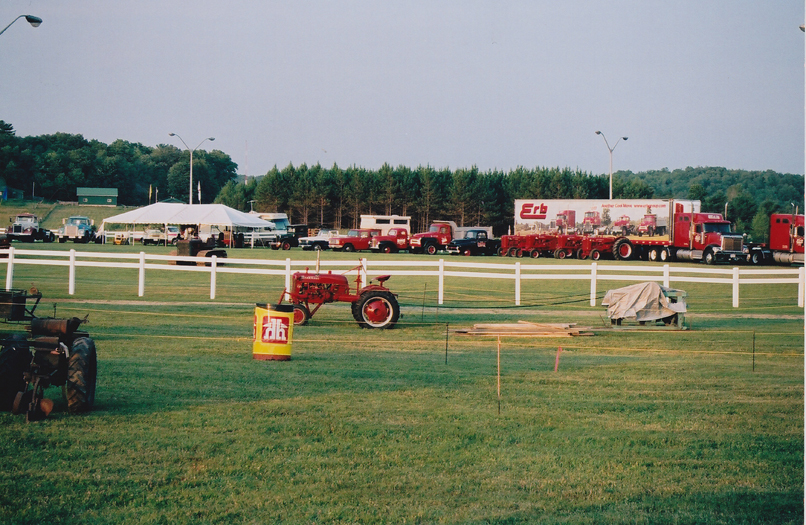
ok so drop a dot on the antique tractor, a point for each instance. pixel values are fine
(374, 306)
(55, 352)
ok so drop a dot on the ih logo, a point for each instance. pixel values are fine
(275, 330)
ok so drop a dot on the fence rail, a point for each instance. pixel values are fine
(441, 269)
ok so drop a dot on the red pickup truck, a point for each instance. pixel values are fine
(355, 240)
(396, 239)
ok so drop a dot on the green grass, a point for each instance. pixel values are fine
(363, 426)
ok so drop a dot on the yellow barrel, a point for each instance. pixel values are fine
(273, 331)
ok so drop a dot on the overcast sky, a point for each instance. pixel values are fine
(496, 84)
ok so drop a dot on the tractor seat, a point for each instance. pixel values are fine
(382, 278)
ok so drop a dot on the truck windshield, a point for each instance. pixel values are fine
(717, 228)
(77, 221)
(434, 228)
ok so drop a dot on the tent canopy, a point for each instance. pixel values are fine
(188, 214)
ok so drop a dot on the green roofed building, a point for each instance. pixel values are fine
(97, 196)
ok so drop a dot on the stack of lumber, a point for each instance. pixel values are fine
(525, 329)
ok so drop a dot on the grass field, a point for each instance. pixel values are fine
(405, 425)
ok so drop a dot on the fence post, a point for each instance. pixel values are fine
(801, 285)
(736, 287)
(517, 283)
(213, 266)
(441, 280)
(10, 269)
(71, 279)
(594, 271)
(141, 287)
(363, 273)
(287, 277)
(666, 279)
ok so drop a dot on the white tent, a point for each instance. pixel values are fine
(188, 214)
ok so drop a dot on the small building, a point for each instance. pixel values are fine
(97, 196)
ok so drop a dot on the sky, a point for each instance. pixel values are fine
(450, 84)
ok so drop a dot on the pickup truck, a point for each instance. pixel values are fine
(475, 242)
(395, 240)
(157, 237)
(320, 241)
(439, 235)
(355, 240)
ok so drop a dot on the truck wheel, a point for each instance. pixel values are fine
(431, 249)
(301, 314)
(286, 245)
(82, 371)
(467, 252)
(48, 237)
(62, 239)
(15, 357)
(596, 255)
(386, 249)
(378, 310)
(663, 255)
(709, 257)
(623, 250)
(348, 248)
(756, 258)
(653, 255)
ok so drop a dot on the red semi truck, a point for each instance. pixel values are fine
(786, 238)
(675, 229)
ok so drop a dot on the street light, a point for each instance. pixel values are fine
(611, 158)
(31, 19)
(190, 195)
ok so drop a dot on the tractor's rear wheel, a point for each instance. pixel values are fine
(622, 250)
(301, 314)
(82, 372)
(15, 357)
(596, 255)
(376, 310)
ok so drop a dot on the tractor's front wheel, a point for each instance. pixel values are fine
(376, 310)
(301, 314)
(15, 357)
(82, 371)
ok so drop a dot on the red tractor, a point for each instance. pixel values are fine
(374, 306)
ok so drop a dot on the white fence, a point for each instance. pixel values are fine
(441, 269)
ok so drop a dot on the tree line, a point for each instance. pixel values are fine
(53, 166)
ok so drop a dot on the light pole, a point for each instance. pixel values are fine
(611, 158)
(31, 19)
(190, 194)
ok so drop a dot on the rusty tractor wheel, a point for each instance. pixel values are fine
(82, 371)
(301, 314)
(14, 360)
(377, 310)
(596, 255)
(623, 250)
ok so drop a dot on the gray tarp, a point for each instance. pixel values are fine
(643, 302)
